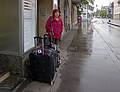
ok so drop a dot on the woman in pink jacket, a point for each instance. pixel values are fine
(54, 26)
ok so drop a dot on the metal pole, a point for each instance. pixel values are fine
(37, 30)
(86, 11)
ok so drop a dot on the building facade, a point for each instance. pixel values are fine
(65, 7)
(88, 10)
(117, 9)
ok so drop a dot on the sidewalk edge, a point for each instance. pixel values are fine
(113, 24)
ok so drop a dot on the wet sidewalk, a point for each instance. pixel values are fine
(90, 66)
(87, 65)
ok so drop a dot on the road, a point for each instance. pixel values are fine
(110, 34)
(92, 61)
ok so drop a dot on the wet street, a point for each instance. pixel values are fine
(92, 60)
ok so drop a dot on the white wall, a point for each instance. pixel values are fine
(116, 10)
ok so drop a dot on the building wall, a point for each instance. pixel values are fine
(70, 13)
(45, 9)
(74, 15)
(9, 26)
(88, 11)
(91, 8)
(65, 8)
(116, 10)
(11, 35)
(61, 6)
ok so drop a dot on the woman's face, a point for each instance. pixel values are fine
(57, 14)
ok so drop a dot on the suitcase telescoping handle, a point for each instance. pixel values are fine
(37, 41)
(43, 48)
(47, 40)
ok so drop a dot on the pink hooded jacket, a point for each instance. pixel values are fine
(54, 27)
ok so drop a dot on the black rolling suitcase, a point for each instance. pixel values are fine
(49, 45)
(42, 63)
(42, 67)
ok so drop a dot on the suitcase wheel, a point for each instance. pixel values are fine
(51, 82)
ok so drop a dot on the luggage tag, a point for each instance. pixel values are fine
(39, 51)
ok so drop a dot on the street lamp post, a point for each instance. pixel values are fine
(86, 11)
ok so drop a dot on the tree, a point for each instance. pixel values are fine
(97, 13)
(103, 13)
(83, 2)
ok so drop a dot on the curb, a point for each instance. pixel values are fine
(113, 24)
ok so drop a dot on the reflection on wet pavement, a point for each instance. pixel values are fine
(89, 67)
